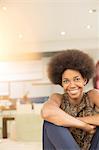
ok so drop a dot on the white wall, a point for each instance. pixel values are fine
(4, 88)
(21, 70)
(37, 87)
(18, 89)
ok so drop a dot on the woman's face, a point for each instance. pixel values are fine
(73, 84)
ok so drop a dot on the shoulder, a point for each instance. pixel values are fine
(94, 96)
(94, 93)
(56, 98)
(56, 95)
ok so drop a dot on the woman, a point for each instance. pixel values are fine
(71, 119)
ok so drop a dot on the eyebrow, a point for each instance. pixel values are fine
(76, 76)
(73, 77)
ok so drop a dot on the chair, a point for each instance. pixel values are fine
(27, 127)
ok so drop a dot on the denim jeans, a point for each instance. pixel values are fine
(59, 138)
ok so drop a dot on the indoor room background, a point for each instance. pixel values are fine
(31, 32)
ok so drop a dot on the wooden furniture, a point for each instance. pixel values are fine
(4, 125)
(4, 108)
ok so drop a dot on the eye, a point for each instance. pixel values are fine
(77, 79)
(66, 81)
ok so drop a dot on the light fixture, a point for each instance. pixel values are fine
(92, 11)
(63, 33)
(4, 8)
(20, 36)
(88, 26)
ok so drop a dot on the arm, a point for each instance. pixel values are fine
(94, 99)
(52, 113)
(94, 120)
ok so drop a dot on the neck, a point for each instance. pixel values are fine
(76, 100)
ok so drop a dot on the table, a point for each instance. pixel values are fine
(4, 125)
(4, 108)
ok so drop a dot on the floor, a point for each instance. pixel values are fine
(8, 144)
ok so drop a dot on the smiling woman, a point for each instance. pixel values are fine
(70, 118)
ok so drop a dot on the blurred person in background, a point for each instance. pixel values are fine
(96, 77)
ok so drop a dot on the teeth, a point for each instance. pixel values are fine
(73, 91)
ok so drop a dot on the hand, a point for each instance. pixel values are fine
(89, 128)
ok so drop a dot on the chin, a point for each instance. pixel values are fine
(77, 96)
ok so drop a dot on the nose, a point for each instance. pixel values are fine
(72, 83)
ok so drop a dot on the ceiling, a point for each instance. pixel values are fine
(36, 25)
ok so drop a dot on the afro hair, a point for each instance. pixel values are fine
(70, 59)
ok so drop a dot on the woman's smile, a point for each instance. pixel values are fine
(73, 91)
(73, 84)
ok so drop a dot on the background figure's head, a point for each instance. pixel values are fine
(97, 69)
(70, 59)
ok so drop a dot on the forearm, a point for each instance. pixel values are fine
(59, 117)
(94, 120)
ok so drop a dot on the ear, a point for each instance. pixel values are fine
(85, 82)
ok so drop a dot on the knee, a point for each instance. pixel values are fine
(52, 127)
(47, 124)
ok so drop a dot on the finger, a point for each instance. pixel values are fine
(92, 131)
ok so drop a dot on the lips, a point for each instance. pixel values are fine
(74, 91)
